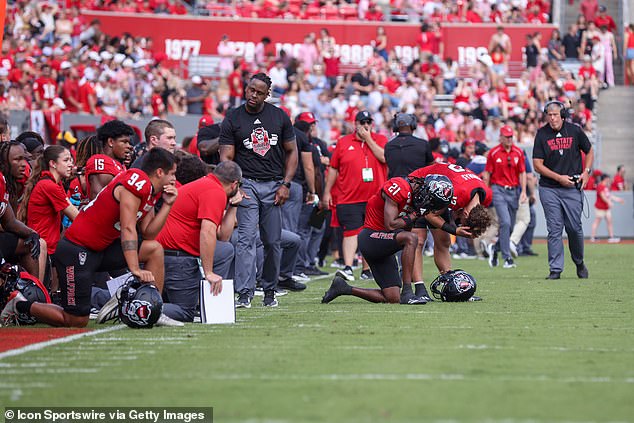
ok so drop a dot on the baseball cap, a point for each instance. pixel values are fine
(602, 8)
(506, 131)
(363, 115)
(308, 117)
(196, 79)
(206, 120)
(59, 103)
(209, 132)
(469, 141)
(65, 65)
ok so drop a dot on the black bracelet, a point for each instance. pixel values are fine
(448, 227)
(408, 220)
(287, 184)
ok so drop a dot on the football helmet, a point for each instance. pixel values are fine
(140, 304)
(434, 193)
(15, 278)
(454, 286)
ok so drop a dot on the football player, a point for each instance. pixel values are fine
(471, 196)
(390, 215)
(104, 237)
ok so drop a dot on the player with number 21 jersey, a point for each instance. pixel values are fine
(97, 225)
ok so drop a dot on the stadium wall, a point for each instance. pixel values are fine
(180, 37)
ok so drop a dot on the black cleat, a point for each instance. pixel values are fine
(582, 271)
(338, 287)
(553, 275)
(291, 285)
(411, 298)
(421, 291)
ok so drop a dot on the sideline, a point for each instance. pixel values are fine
(42, 345)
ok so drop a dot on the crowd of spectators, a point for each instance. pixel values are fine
(69, 64)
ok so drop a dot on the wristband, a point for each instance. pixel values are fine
(448, 227)
(287, 184)
(408, 220)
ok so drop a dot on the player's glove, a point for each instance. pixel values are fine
(33, 240)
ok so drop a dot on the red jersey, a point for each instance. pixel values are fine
(4, 195)
(425, 42)
(47, 200)
(97, 225)
(618, 184)
(7, 62)
(235, 84)
(397, 189)
(201, 199)
(465, 183)
(86, 90)
(601, 204)
(587, 72)
(46, 88)
(75, 188)
(351, 156)
(101, 164)
(70, 89)
(505, 167)
(158, 106)
(193, 146)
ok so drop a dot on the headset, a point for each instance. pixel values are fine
(404, 119)
(563, 111)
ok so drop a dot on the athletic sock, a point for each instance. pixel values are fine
(420, 289)
(24, 307)
(407, 289)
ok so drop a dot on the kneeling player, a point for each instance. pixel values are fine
(389, 217)
(104, 237)
(471, 196)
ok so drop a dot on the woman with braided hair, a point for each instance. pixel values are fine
(15, 168)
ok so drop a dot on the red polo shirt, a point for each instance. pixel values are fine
(201, 199)
(47, 200)
(505, 167)
(349, 158)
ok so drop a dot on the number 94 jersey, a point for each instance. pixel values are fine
(397, 189)
(98, 224)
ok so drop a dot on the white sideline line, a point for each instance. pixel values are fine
(42, 345)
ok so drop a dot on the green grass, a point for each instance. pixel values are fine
(533, 350)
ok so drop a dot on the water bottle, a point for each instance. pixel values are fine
(75, 201)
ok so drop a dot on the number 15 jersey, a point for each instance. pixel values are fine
(98, 224)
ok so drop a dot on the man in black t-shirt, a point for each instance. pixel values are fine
(557, 157)
(405, 153)
(260, 138)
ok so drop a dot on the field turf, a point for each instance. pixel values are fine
(532, 351)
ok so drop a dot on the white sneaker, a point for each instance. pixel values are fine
(346, 274)
(9, 315)
(614, 240)
(300, 277)
(513, 248)
(164, 320)
(110, 310)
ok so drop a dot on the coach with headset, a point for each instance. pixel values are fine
(557, 157)
(405, 153)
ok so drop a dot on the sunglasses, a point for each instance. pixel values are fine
(366, 122)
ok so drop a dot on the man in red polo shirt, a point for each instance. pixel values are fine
(505, 173)
(358, 169)
(195, 228)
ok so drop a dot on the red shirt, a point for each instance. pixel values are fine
(158, 106)
(46, 89)
(101, 164)
(606, 20)
(86, 90)
(586, 72)
(505, 167)
(235, 84)
(618, 184)
(193, 146)
(425, 42)
(465, 183)
(97, 225)
(349, 158)
(4, 195)
(76, 188)
(201, 199)
(397, 189)
(600, 204)
(70, 89)
(47, 200)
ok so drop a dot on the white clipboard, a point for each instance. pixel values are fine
(217, 309)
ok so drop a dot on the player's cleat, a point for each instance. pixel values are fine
(509, 263)
(9, 314)
(110, 310)
(93, 313)
(421, 291)
(290, 284)
(475, 298)
(493, 255)
(165, 320)
(582, 271)
(553, 275)
(243, 301)
(269, 299)
(484, 246)
(366, 275)
(513, 248)
(411, 298)
(314, 271)
(338, 287)
(346, 274)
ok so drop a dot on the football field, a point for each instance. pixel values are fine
(532, 351)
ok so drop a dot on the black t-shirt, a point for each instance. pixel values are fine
(405, 153)
(362, 80)
(258, 139)
(532, 54)
(561, 151)
(303, 146)
(571, 44)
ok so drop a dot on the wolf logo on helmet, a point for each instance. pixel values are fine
(454, 286)
(140, 304)
(434, 193)
(15, 278)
